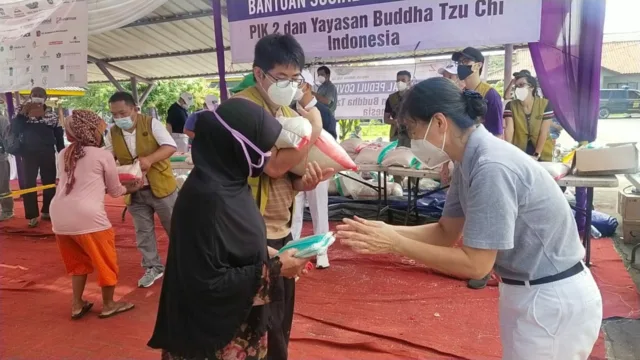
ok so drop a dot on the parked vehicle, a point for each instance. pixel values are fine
(619, 101)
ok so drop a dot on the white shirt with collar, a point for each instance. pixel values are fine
(158, 131)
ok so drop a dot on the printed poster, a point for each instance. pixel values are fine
(50, 54)
(346, 28)
(363, 90)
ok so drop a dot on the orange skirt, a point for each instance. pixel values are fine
(82, 253)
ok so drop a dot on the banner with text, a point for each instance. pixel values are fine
(363, 90)
(53, 54)
(336, 28)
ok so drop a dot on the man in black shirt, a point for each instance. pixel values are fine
(176, 118)
(177, 114)
(41, 135)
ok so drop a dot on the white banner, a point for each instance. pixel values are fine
(363, 90)
(337, 28)
(51, 55)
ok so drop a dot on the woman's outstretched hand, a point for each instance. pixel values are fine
(366, 236)
(291, 265)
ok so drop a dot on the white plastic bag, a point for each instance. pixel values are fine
(400, 156)
(368, 155)
(129, 173)
(296, 132)
(352, 146)
(425, 184)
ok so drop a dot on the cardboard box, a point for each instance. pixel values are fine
(631, 232)
(622, 158)
(629, 205)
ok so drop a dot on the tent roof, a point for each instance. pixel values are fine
(177, 41)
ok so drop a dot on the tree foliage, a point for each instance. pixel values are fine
(166, 93)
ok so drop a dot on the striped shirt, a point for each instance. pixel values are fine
(278, 211)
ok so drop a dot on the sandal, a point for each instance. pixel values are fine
(123, 307)
(85, 309)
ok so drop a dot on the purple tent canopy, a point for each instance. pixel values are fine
(567, 60)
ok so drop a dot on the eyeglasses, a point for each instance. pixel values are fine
(283, 83)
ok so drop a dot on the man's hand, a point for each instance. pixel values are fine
(314, 175)
(308, 95)
(28, 108)
(133, 186)
(145, 164)
(315, 118)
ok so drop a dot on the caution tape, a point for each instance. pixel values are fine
(26, 191)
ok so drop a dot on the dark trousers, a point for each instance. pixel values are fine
(32, 163)
(283, 295)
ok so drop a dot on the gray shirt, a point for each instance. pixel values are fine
(511, 204)
(328, 90)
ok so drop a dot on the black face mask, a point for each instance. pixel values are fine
(464, 71)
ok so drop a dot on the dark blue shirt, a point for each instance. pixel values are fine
(328, 120)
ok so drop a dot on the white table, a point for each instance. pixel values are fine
(381, 189)
(181, 166)
(413, 182)
(589, 182)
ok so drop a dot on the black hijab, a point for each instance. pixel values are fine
(218, 238)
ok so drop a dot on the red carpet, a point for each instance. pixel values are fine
(360, 308)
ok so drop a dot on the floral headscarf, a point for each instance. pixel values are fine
(83, 128)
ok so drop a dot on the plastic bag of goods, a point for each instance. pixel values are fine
(400, 157)
(368, 193)
(557, 170)
(310, 246)
(425, 184)
(373, 153)
(328, 154)
(180, 179)
(347, 186)
(296, 132)
(352, 146)
(129, 173)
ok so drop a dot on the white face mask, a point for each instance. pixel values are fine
(320, 80)
(430, 155)
(37, 100)
(402, 86)
(299, 94)
(521, 94)
(282, 96)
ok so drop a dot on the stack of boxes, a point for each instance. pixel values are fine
(629, 210)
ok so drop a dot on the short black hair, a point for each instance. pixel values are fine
(123, 96)
(530, 79)
(440, 95)
(278, 49)
(325, 69)
(404, 73)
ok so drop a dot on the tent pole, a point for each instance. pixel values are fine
(10, 108)
(217, 32)
(11, 111)
(508, 65)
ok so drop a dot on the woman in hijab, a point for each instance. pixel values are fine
(83, 232)
(219, 270)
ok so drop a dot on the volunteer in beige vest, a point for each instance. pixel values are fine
(137, 137)
(277, 70)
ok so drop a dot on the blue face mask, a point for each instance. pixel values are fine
(124, 123)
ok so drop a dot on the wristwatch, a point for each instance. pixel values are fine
(536, 155)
